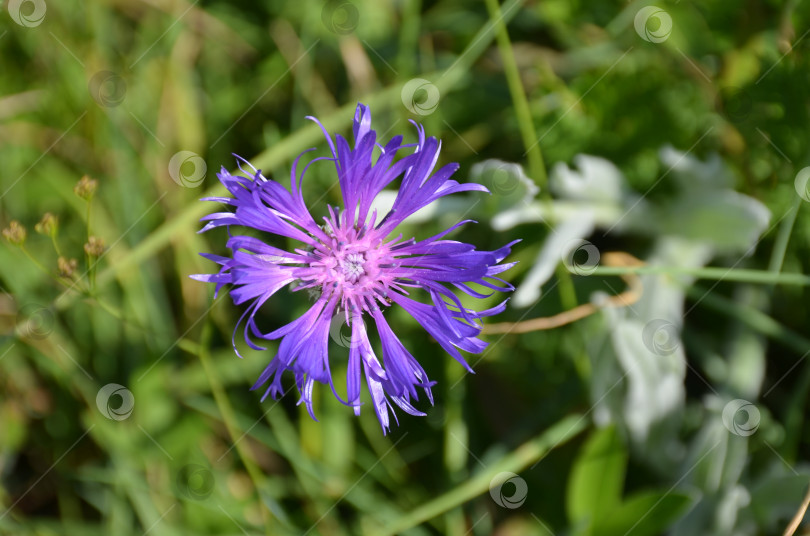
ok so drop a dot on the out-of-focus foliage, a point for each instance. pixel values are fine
(676, 133)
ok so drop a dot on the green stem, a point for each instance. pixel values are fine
(751, 317)
(534, 154)
(513, 462)
(35, 261)
(56, 246)
(91, 261)
(409, 38)
(119, 315)
(91, 274)
(524, 117)
(229, 418)
(478, 45)
(43, 268)
(568, 294)
(794, 416)
(719, 274)
(783, 237)
(87, 218)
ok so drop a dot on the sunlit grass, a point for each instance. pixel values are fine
(114, 90)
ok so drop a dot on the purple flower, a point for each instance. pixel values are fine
(354, 270)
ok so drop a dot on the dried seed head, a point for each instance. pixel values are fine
(85, 188)
(94, 246)
(15, 233)
(48, 225)
(66, 267)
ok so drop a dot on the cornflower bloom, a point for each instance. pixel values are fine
(354, 270)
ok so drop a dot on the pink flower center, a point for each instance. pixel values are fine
(351, 265)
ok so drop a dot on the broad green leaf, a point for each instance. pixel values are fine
(776, 498)
(597, 478)
(644, 514)
(728, 220)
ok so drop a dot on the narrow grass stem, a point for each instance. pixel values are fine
(740, 275)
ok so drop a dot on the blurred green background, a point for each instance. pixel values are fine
(123, 409)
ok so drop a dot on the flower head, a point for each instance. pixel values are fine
(48, 225)
(85, 188)
(66, 267)
(94, 246)
(15, 233)
(354, 269)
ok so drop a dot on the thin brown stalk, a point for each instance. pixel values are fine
(628, 297)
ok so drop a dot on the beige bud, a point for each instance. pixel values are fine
(85, 188)
(48, 225)
(15, 233)
(94, 246)
(66, 267)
